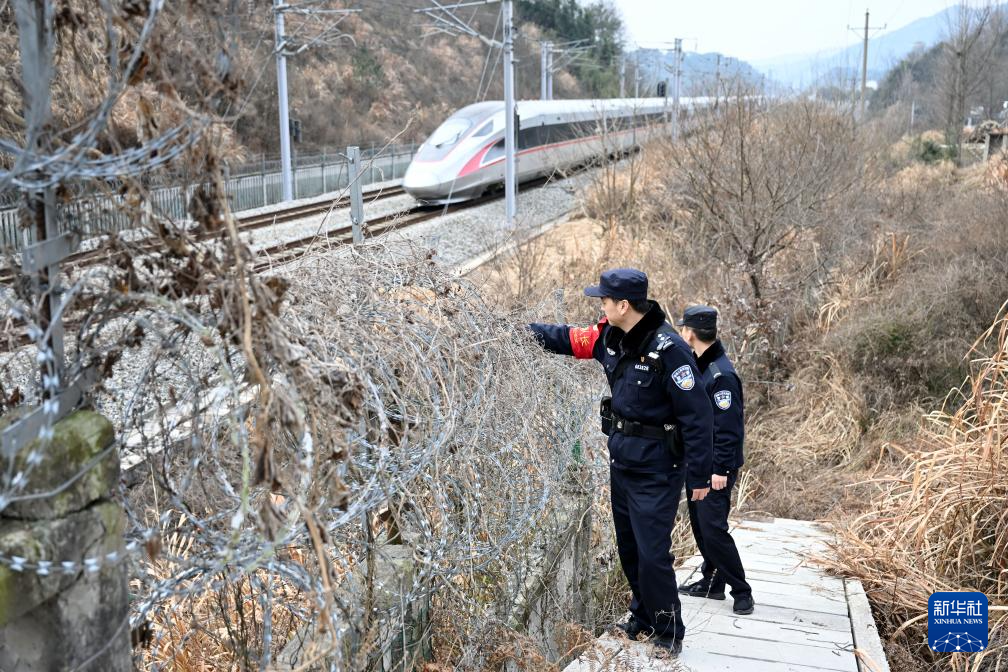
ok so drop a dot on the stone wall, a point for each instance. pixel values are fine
(64, 616)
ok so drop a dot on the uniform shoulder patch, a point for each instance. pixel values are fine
(664, 341)
(683, 377)
(722, 399)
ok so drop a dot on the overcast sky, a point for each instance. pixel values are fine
(758, 30)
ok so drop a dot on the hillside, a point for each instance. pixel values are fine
(382, 73)
(927, 78)
(839, 64)
(700, 72)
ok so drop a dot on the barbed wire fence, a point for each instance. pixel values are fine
(340, 464)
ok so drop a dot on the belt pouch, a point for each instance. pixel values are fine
(605, 412)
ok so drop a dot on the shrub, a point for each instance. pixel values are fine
(929, 151)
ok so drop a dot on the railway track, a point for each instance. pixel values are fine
(276, 255)
(245, 224)
(289, 250)
(273, 256)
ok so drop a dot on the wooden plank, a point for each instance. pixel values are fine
(772, 614)
(866, 637)
(802, 622)
(726, 623)
(703, 661)
(805, 544)
(780, 524)
(791, 570)
(813, 603)
(780, 559)
(801, 532)
(789, 588)
(760, 543)
(835, 658)
(744, 654)
(827, 584)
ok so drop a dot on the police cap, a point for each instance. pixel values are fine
(698, 317)
(620, 283)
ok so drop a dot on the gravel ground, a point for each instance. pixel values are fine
(457, 238)
(460, 241)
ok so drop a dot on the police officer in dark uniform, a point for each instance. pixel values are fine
(709, 518)
(659, 423)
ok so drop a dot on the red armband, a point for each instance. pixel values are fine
(583, 339)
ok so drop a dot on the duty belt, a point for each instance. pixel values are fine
(613, 422)
(632, 428)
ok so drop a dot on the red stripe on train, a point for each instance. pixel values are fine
(474, 163)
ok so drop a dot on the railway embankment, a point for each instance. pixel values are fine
(295, 424)
(870, 338)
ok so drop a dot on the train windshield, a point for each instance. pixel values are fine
(450, 132)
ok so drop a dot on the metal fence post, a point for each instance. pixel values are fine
(356, 195)
(372, 158)
(324, 189)
(262, 179)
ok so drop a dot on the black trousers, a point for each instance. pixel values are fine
(709, 520)
(644, 509)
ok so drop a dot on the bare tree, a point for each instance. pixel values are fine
(968, 69)
(758, 177)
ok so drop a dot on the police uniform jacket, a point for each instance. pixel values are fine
(724, 387)
(659, 384)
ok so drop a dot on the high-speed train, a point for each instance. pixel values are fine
(464, 157)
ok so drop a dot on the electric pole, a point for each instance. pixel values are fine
(446, 21)
(637, 76)
(622, 76)
(675, 93)
(326, 33)
(549, 72)
(544, 68)
(507, 7)
(864, 63)
(281, 62)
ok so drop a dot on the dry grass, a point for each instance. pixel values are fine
(840, 426)
(942, 524)
(909, 196)
(218, 627)
(997, 172)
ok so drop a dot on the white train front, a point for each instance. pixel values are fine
(464, 157)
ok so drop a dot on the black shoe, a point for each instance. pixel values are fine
(744, 605)
(633, 627)
(669, 646)
(701, 588)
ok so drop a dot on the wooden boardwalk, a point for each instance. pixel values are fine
(805, 620)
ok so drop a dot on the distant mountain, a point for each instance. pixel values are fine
(700, 71)
(836, 65)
